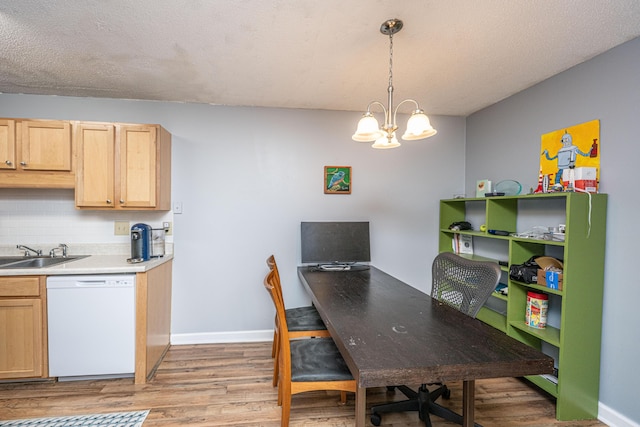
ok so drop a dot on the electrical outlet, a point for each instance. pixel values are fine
(121, 228)
(168, 228)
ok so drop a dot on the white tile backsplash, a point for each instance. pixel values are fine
(45, 216)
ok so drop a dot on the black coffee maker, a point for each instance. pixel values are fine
(140, 243)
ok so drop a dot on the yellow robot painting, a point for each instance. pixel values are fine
(568, 149)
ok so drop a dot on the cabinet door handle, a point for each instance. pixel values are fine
(8, 162)
(109, 201)
(23, 163)
(121, 202)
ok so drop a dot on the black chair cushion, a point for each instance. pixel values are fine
(304, 319)
(317, 359)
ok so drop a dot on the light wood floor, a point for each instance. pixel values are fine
(230, 385)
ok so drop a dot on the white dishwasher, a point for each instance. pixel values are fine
(91, 321)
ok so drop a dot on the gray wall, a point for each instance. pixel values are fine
(503, 142)
(246, 178)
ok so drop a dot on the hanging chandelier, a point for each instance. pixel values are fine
(418, 125)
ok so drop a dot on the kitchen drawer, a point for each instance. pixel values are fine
(20, 286)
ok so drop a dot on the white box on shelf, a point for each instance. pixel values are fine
(585, 178)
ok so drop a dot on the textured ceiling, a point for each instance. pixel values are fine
(453, 56)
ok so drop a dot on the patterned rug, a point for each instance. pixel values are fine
(114, 419)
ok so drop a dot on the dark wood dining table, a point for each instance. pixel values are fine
(390, 333)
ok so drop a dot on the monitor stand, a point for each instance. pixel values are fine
(341, 267)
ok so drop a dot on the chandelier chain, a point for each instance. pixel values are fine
(390, 60)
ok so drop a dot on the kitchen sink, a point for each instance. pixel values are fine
(7, 262)
(9, 259)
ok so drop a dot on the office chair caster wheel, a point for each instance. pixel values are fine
(446, 394)
(376, 419)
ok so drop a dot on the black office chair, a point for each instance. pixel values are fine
(465, 285)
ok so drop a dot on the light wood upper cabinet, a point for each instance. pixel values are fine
(110, 165)
(36, 154)
(7, 144)
(95, 175)
(123, 166)
(138, 161)
(46, 145)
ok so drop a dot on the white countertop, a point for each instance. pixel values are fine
(93, 264)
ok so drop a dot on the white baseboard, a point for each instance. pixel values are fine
(605, 414)
(613, 418)
(222, 337)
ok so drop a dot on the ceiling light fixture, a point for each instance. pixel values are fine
(418, 125)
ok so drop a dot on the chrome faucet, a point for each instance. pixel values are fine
(27, 250)
(52, 252)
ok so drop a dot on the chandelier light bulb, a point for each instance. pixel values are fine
(386, 141)
(368, 129)
(418, 127)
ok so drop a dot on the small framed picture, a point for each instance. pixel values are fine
(337, 180)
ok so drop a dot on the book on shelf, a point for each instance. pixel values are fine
(462, 244)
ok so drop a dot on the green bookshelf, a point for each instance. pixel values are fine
(573, 333)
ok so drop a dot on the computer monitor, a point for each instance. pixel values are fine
(341, 243)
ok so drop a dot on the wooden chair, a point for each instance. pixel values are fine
(302, 322)
(305, 364)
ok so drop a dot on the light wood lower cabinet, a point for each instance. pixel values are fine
(123, 166)
(153, 319)
(23, 324)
